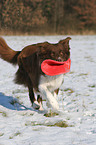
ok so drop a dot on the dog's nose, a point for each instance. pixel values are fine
(59, 59)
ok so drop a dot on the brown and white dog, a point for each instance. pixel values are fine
(29, 72)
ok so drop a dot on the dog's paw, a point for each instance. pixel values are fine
(41, 107)
(37, 106)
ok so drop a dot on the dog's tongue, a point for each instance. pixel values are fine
(52, 67)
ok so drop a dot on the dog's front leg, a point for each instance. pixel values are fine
(49, 97)
(35, 104)
(55, 93)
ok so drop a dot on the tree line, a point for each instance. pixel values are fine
(47, 16)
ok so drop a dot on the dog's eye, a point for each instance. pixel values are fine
(61, 53)
(52, 54)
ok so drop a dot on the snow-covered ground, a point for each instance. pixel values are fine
(21, 125)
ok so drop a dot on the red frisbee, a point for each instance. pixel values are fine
(52, 67)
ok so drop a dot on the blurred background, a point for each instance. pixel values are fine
(47, 17)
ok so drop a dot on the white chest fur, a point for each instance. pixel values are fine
(51, 82)
(47, 86)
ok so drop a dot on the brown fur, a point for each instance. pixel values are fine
(30, 59)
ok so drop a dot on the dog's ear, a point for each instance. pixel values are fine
(65, 42)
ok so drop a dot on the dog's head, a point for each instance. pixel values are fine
(59, 51)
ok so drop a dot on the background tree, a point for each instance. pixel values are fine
(47, 16)
(22, 15)
(86, 13)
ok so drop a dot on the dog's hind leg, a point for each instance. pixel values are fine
(55, 93)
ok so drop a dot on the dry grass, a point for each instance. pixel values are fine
(4, 114)
(63, 124)
(51, 114)
(1, 134)
(71, 32)
(60, 124)
(15, 134)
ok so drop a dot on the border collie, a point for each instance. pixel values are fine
(30, 73)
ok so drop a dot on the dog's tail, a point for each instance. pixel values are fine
(7, 53)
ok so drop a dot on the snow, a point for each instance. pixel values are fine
(20, 124)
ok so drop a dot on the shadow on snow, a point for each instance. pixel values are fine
(12, 103)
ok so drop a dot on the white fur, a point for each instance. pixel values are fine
(37, 105)
(47, 86)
